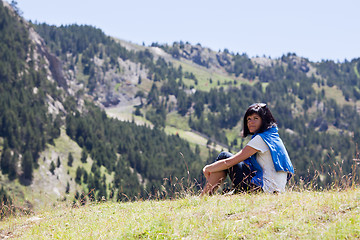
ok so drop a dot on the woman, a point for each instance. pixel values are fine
(263, 163)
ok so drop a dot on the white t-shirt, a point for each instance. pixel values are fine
(273, 180)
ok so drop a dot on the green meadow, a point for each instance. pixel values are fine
(296, 214)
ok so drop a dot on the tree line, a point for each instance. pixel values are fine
(127, 149)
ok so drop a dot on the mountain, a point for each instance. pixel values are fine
(65, 89)
(56, 143)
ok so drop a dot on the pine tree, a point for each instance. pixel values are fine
(153, 96)
(78, 175)
(85, 175)
(67, 189)
(52, 167)
(197, 150)
(70, 159)
(58, 162)
(84, 156)
(27, 166)
(13, 167)
(5, 161)
(5, 199)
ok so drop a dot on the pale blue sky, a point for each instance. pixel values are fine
(314, 29)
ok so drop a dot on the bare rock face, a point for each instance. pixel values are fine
(263, 61)
(53, 64)
(113, 86)
(224, 59)
(201, 55)
(300, 63)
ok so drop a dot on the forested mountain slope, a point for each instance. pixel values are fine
(39, 98)
(26, 125)
(316, 104)
(70, 76)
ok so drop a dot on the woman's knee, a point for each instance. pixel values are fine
(223, 155)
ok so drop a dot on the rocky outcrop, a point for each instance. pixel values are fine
(54, 65)
(300, 63)
(201, 55)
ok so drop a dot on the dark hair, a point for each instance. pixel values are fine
(266, 117)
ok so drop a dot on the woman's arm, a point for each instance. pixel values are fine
(223, 164)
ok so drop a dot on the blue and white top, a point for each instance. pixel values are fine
(272, 165)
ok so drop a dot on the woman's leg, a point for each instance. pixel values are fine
(241, 175)
(214, 181)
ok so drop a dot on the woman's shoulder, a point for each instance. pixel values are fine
(257, 137)
(258, 143)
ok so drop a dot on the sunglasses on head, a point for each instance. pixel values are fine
(258, 105)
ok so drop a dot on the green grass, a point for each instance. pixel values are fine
(47, 188)
(293, 215)
(79, 73)
(64, 145)
(175, 124)
(178, 125)
(297, 214)
(175, 120)
(203, 75)
(332, 92)
(126, 114)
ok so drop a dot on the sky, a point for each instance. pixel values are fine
(314, 29)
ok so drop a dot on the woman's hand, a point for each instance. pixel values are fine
(206, 171)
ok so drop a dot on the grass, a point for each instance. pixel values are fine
(79, 73)
(175, 120)
(176, 124)
(125, 113)
(47, 188)
(332, 92)
(299, 214)
(203, 75)
(64, 145)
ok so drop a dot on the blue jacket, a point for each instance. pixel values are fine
(278, 152)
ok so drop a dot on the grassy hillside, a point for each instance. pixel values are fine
(298, 214)
(198, 95)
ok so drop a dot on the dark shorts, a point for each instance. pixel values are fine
(240, 174)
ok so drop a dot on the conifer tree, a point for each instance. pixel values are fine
(27, 166)
(58, 162)
(70, 159)
(67, 189)
(13, 167)
(5, 199)
(85, 176)
(84, 156)
(5, 161)
(78, 175)
(197, 150)
(52, 167)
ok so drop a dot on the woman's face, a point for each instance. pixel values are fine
(254, 122)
